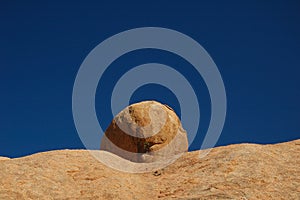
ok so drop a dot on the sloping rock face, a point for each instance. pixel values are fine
(3, 158)
(145, 132)
(242, 171)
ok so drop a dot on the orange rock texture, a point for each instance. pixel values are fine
(145, 132)
(241, 171)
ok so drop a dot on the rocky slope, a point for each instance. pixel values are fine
(242, 171)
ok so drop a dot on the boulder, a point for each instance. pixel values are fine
(145, 132)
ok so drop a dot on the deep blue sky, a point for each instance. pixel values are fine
(255, 44)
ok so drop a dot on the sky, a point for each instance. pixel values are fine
(255, 44)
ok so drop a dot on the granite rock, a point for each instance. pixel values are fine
(145, 132)
(240, 171)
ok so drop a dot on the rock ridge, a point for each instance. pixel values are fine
(239, 171)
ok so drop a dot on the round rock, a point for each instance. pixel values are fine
(145, 132)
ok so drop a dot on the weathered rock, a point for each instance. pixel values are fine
(145, 132)
(242, 171)
(4, 158)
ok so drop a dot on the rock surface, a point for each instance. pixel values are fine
(242, 171)
(145, 132)
(4, 158)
